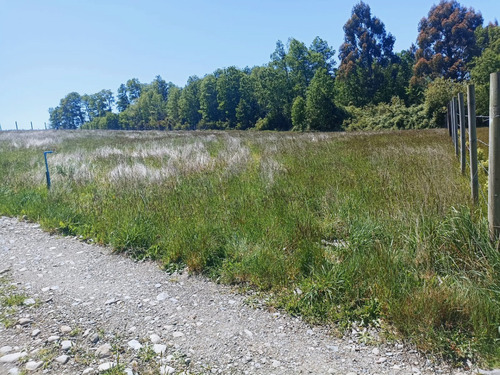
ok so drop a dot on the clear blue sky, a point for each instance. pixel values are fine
(52, 47)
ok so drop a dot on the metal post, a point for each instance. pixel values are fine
(461, 109)
(471, 105)
(31, 122)
(455, 124)
(494, 159)
(448, 117)
(16, 126)
(47, 174)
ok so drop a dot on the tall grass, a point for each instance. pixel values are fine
(340, 227)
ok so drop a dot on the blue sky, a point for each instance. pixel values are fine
(52, 47)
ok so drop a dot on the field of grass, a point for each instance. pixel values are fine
(376, 228)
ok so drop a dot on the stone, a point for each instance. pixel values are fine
(29, 301)
(164, 370)
(13, 357)
(376, 351)
(103, 351)
(35, 333)
(155, 339)
(276, 363)
(159, 348)
(105, 366)
(177, 334)
(162, 296)
(248, 333)
(88, 370)
(94, 338)
(134, 344)
(13, 371)
(62, 359)
(5, 349)
(66, 345)
(65, 329)
(381, 360)
(32, 365)
(53, 338)
(24, 321)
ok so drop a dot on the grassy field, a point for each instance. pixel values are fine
(376, 228)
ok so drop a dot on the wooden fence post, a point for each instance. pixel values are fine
(463, 146)
(471, 105)
(494, 159)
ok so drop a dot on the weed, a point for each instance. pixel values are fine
(374, 228)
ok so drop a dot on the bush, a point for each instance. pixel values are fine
(394, 115)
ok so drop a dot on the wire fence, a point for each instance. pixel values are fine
(484, 173)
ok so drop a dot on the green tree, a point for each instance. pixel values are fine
(209, 106)
(446, 42)
(69, 114)
(322, 113)
(437, 96)
(122, 102)
(189, 103)
(228, 93)
(134, 89)
(173, 112)
(247, 111)
(299, 115)
(366, 51)
(482, 66)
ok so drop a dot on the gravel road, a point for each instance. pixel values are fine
(86, 310)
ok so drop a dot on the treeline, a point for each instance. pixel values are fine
(301, 88)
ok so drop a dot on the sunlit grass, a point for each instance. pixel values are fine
(368, 226)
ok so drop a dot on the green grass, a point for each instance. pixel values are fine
(374, 227)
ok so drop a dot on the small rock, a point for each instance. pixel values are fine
(129, 371)
(94, 338)
(164, 370)
(35, 333)
(276, 363)
(65, 329)
(162, 296)
(248, 333)
(177, 334)
(111, 301)
(5, 349)
(492, 372)
(5, 270)
(88, 370)
(29, 301)
(9, 358)
(24, 321)
(155, 339)
(159, 348)
(381, 360)
(62, 359)
(53, 338)
(376, 351)
(66, 345)
(13, 371)
(32, 365)
(105, 366)
(351, 373)
(134, 344)
(103, 351)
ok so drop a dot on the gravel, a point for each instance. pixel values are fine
(94, 310)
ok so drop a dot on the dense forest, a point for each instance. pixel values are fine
(301, 88)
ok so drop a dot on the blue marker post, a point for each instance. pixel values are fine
(47, 167)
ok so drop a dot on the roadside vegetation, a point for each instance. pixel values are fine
(374, 228)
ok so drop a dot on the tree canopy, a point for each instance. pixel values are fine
(301, 88)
